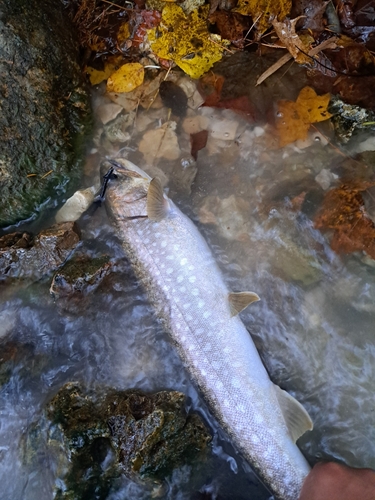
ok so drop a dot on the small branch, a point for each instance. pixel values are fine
(330, 43)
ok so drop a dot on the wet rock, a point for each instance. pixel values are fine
(160, 143)
(325, 178)
(224, 129)
(76, 205)
(107, 434)
(25, 256)
(294, 263)
(80, 275)
(44, 106)
(195, 124)
(20, 360)
(108, 112)
(348, 118)
(230, 215)
(119, 130)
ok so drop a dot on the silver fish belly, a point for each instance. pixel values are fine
(184, 284)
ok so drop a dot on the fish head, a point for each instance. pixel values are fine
(126, 188)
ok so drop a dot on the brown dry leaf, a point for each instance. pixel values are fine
(127, 78)
(298, 47)
(231, 26)
(293, 119)
(344, 212)
(263, 11)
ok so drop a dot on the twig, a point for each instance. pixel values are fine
(287, 57)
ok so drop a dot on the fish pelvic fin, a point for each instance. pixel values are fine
(238, 301)
(157, 204)
(296, 417)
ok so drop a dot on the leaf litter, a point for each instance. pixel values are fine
(228, 45)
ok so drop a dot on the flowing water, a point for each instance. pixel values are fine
(314, 326)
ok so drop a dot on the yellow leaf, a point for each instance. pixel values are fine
(123, 33)
(314, 105)
(185, 40)
(97, 76)
(263, 11)
(126, 79)
(294, 118)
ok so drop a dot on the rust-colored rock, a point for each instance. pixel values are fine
(344, 212)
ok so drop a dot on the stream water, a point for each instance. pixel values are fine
(314, 326)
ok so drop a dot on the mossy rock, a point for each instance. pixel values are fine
(44, 111)
(108, 433)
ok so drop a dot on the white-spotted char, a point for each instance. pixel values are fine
(184, 284)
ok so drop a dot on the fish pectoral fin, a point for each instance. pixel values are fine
(296, 417)
(157, 204)
(239, 301)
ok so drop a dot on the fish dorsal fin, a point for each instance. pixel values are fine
(239, 301)
(157, 205)
(296, 417)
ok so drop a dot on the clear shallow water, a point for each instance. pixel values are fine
(313, 327)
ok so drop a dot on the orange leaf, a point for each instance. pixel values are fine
(293, 119)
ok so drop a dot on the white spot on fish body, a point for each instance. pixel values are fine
(163, 244)
(207, 314)
(192, 279)
(183, 261)
(195, 291)
(189, 317)
(180, 278)
(182, 289)
(186, 305)
(191, 268)
(236, 383)
(200, 304)
(169, 270)
(258, 419)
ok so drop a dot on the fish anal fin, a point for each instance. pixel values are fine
(296, 417)
(238, 301)
(157, 204)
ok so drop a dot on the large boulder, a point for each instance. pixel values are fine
(43, 105)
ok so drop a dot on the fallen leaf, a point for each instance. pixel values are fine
(143, 96)
(210, 86)
(293, 119)
(231, 26)
(123, 33)
(299, 47)
(185, 40)
(343, 211)
(127, 78)
(97, 76)
(198, 141)
(263, 11)
(311, 13)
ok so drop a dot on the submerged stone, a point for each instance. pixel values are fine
(107, 434)
(81, 274)
(347, 118)
(43, 105)
(24, 256)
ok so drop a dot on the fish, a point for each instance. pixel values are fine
(177, 269)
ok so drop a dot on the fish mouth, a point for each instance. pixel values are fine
(126, 168)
